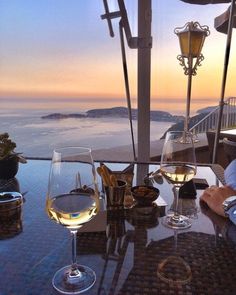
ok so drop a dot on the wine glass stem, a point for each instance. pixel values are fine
(176, 196)
(74, 266)
(176, 240)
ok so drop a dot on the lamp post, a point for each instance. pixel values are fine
(191, 38)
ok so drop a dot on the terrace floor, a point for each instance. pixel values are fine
(124, 153)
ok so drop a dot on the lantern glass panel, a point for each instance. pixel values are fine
(191, 43)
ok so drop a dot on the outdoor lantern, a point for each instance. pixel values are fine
(191, 38)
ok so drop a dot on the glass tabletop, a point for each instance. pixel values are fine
(125, 250)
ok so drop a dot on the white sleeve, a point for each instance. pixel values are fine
(230, 174)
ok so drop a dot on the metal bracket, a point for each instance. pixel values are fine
(184, 62)
(133, 42)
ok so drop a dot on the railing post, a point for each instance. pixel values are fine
(227, 115)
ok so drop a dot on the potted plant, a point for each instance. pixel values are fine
(9, 159)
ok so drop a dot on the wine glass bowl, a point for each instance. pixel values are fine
(72, 200)
(178, 166)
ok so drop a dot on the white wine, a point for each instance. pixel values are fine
(72, 210)
(178, 174)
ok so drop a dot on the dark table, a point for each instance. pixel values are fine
(230, 134)
(126, 256)
(221, 157)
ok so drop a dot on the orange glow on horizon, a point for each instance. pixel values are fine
(84, 69)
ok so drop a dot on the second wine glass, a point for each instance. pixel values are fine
(178, 166)
(72, 200)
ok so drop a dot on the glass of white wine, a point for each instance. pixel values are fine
(72, 200)
(178, 166)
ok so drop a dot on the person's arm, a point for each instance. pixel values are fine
(230, 174)
(214, 197)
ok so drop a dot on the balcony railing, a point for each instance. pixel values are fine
(209, 122)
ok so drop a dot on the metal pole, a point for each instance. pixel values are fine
(190, 62)
(226, 62)
(126, 78)
(144, 78)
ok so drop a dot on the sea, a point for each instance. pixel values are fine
(37, 137)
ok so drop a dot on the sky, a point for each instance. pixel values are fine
(61, 48)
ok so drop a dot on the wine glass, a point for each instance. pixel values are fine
(72, 200)
(178, 165)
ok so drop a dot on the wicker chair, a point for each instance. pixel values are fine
(230, 149)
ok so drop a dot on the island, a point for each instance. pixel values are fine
(116, 112)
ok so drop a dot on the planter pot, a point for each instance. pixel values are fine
(8, 168)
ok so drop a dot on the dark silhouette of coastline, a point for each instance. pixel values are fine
(116, 112)
(122, 112)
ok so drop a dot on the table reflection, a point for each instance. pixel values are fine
(126, 252)
(10, 212)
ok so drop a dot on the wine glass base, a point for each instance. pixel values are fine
(182, 222)
(174, 270)
(66, 284)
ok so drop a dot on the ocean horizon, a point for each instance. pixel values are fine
(37, 137)
(68, 104)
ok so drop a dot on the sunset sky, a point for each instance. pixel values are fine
(61, 48)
